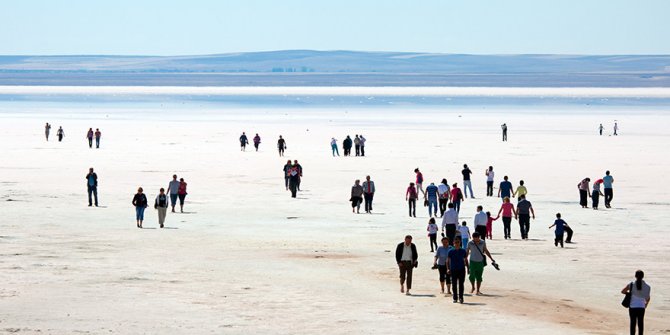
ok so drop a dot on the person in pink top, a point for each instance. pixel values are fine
(411, 196)
(507, 209)
(456, 197)
(489, 225)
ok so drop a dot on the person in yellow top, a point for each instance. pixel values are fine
(521, 190)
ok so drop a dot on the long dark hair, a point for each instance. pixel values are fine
(639, 274)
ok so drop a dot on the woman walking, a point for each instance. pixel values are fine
(161, 204)
(596, 193)
(356, 196)
(140, 203)
(410, 196)
(432, 234)
(507, 209)
(440, 262)
(640, 294)
(583, 187)
(182, 193)
(287, 169)
(456, 197)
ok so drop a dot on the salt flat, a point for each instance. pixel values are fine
(247, 258)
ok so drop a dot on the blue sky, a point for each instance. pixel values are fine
(136, 27)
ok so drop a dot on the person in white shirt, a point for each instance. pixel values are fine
(480, 221)
(362, 145)
(489, 181)
(443, 195)
(640, 295)
(432, 233)
(406, 256)
(465, 232)
(449, 223)
(173, 188)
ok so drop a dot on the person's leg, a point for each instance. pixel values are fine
(451, 232)
(286, 182)
(461, 282)
(367, 202)
(90, 192)
(457, 206)
(568, 230)
(293, 188)
(640, 321)
(633, 320)
(97, 143)
(409, 276)
(526, 226)
(433, 242)
(401, 267)
(362, 150)
(582, 198)
(482, 231)
(181, 202)
(454, 284)
(561, 240)
(506, 226)
(472, 195)
(95, 196)
(173, 200)
(521, 226)
(409, 206)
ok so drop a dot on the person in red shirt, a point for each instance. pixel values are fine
(411, 196)
(507, 209)
(419, 182)
(456, 197)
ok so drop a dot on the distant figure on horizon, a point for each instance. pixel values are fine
(60, 133)
(609, 192)
(98, 134)
(281, 146)
(368, 193)
(362, 145)
(257, 141)
(333, 146)
(346, 145)
(89, 136)
(600, 129)
(173, 190)
(357, 145)
(504, 132)
(161, 205)
(47, 129)
(356, 197)
(616, 129)
(140, 203)
(243, 142)
(92, 186)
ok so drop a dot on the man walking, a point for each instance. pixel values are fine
(368, 193)
(443, 192)
(525, 209)
(243, 142)
(480, 221)
(98, 134)
(504, 132)
(449, 223)
(601, 129)
(505, 189)
(173, 191)
(616, 128)
(89, 137)
(609, 192)
(357, 145)
(92, 185)
(281, 146)
(406, 256)
(467, 183)
(431, 197)
(477, 252)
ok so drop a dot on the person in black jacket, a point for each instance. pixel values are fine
(140, 203)
(92, 185)
(347, 144)
(406, 257)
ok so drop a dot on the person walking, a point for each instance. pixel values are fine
(293, 175)
(368, 193)
(92, 186)
(173, 191)
(161, 205)
(286, 169)
(569, 232)
(583, 187)
(432, 233)
(464, 233)
(504, 132)
(520, 190)
(410, 197)
(362, 145)
(257, 141)
(505, 189)
(140, 203)
(507, 209)
(357, 145)
(480, 221)
(431, 196)
(600, 129)
(346, 145)
(243, 142)
(457, 265)
(443, 195)
(333, 146)
(299, 167)
(489, 225)
(456, 197)
(559, 231)
(608, 180)
(419, 182)
(181, 193)
(525, 210)
(440, 262)
(97, 134)
(596, 193)
(640, 295)
(47, 130)
(477, 252)
(356, 196)
(616, 129)
(449, 222)
(60, 133)
(406, 257)
(467, 183)
(489, 181)
(89, 136)
(281, 146)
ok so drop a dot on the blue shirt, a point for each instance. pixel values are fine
(457, 259)
(91, 180)
(505, 189)
(431, 191)
(607, 181)
(442, 254)
(560, 226)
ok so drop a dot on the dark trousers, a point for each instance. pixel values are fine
(406, 268)
(504, 135)
(293, 186)
(92, 190)
(362, 150)
(90, 142)
(60, 138)
(281, 151)
(636, 317)
(595, 198)
(457, 280)
(298, 183)
(368, 201)
(558, 239)
(507, 226)
(609, 194)
(286, 181)
(412, 207)
(347, 151)
(489, 188)
(568, 230)
(443, 206)
(451, 233)
(256, 146)
(457, 205)
(482, 231)
(358, 150)
(524, 224)
(583, 198)
(433, 241)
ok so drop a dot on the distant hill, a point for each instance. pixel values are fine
(317, 68)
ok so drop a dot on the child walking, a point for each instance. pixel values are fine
(560, 228)
(432, 234)
(489, 225)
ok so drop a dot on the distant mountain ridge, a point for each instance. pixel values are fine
(308, 67)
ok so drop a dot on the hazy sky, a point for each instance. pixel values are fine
(147, 27)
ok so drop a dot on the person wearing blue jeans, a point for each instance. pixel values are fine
(467, 183)
(431, 195)
(140, 202)
(92, 186)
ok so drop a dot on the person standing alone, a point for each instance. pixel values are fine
(640, 295)
(257, 141)
(60, 133)
(47, 130)
(243, 142)
(467, 183)
(92, 185)
(504, 132)
(608, 180)
(281, 146)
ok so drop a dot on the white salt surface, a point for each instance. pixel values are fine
(248, 259)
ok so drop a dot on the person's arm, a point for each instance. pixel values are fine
(498, 192)
(467, 264)
(532, 211)
(626, 289)
(516, 214)
(415, 254)
(499, 211)
(398, 253)
(497, 217)
(448, 265)
(486, 251)
(435, 260)
(552, 226)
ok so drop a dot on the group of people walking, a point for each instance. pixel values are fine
(90, 135)
(605, 184)
(176, 190)
(362, 193)
(244, 141)
(292, 177)
(358, 143)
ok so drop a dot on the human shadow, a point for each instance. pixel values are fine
(423, 295)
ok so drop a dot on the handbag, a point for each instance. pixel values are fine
(481, 253)
(626, 299)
